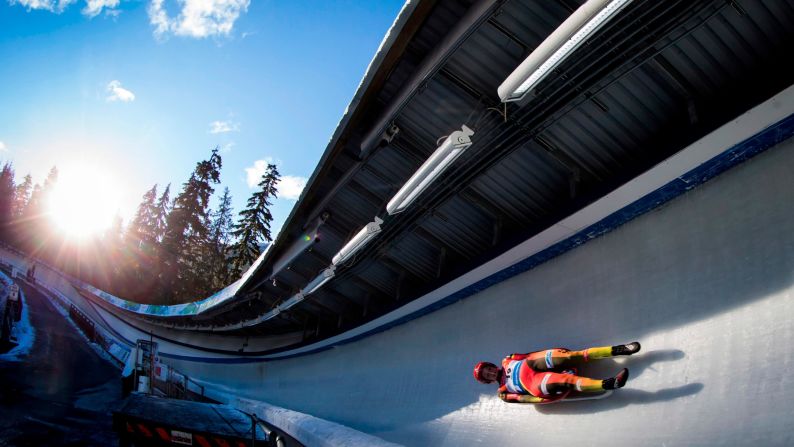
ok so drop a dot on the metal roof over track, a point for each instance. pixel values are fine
(656, 78)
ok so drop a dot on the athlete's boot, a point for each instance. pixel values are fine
(627, 349)
(616, 382)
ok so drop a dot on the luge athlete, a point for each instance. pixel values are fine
(541, 376)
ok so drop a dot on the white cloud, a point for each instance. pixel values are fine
(226, 148)
(224, 126)
(94, 7)
(3, 147)
(198, 18)
(50, 5)
(159, 18)
(290, 187)
(119, 93)
(254, 173)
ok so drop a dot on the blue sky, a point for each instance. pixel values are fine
(143, 90)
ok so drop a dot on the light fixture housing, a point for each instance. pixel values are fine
(359, 240)
(452, 147)
(318, 282)
(569, 36)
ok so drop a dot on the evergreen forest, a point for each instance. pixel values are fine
(176, 248)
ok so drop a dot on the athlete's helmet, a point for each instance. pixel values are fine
(478, 371)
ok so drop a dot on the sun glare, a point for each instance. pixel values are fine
(84, 201)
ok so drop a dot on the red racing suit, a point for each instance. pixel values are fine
(540, 376)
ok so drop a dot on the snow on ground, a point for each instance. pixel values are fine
(23, 331)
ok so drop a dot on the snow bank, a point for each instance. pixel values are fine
(23, 331)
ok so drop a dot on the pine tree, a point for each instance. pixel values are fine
(115, 260)
(160, 214)
(7, 200)
(220, 233)
(27, 230)
(142, 232)
(141, 247)
(33, 206)
(254, 225)
(187, 228)
(51, 180)
(22, 196)
(222, 223)
(46, 245)
(152, 285)
(21, 199)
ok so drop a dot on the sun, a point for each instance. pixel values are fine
(84, 200)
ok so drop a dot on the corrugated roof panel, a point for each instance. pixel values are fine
(692, 71)
(349, 290)
(460, 224)
(707, 65)
(591, 129)
(415, 255)
(379, 277)
(394, 164)
(631, 114)
(438, 111)
(497, 50)
(444, 16)
(531, 21)
(526, 184)
(637, 106)
(780, 12)
(380, 183)
(720, 48)
(765, 24)
(351, 209)
(566, 137)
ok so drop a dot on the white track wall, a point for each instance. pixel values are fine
(705, 282)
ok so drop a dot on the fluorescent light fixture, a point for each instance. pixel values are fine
(317, 282)
(450, 149)
(359, 240)
(295, 299)
(579, 27)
